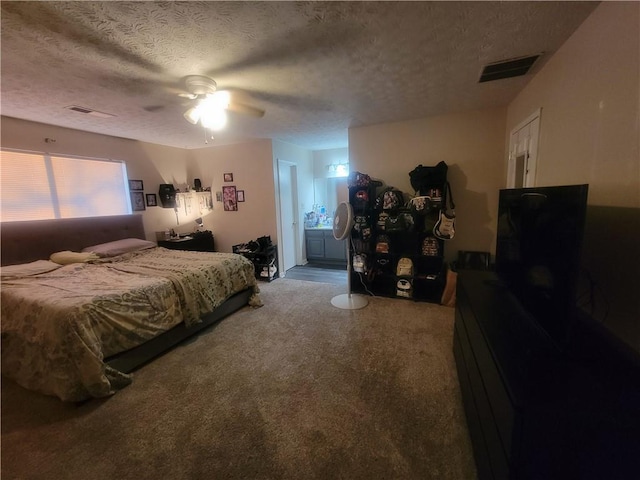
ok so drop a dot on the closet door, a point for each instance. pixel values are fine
(523, 153)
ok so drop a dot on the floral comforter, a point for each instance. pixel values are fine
(59, 326)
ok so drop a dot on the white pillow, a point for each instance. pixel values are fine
(28, 269)
(118, 247)
(67, 257)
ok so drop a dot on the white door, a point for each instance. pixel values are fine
(523, 153)
(288, 212)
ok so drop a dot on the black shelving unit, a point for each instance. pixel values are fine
(265, 262)
(426, 252)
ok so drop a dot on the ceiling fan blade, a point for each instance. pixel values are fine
(49, 19)
(290, 101)
(294, 47)
(245, 109)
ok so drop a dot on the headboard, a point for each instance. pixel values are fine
(23, 242)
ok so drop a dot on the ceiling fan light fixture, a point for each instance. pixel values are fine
(192, 115)
(221, 99)
(213, 118)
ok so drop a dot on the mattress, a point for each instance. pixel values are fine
(59, 324)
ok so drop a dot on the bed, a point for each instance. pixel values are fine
(79, 329)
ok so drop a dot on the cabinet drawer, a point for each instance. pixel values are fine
(487, 424)
(314, 233)
(503, 410)
(480, 452)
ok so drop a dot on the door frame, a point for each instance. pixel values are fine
(531, 151)
(292, 166)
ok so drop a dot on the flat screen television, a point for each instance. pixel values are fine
(538, 252)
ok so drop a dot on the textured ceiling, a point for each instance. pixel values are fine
(317, 68)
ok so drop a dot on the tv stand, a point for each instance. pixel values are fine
(533, 410)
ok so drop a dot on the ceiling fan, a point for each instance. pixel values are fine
(211, 104)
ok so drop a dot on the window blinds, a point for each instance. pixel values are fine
(38, 186)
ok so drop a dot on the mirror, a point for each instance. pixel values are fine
(330, 192)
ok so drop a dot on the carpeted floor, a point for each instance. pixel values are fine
(297, 389)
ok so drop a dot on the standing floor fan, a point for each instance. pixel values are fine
(342, 225)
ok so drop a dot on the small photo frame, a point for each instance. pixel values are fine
(218, 196)
(137, 201)
(152, 200)
(136, 185)
(240, 195)
(228, 177)
(229, 198)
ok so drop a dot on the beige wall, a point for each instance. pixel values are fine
(323, 158)
(471, 143)
(589, 133)
(250, 163)
(153, 164)
(588, 92)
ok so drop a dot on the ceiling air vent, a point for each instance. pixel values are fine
(513, 67)
(89, 111)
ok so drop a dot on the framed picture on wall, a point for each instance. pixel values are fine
(228, 177)
(229, 198)
(152, 200)
(240, 195)
(135, 185)
(137, 201)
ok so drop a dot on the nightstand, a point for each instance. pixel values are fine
(197, 241)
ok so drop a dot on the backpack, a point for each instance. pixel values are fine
(402, 222)
(404, 267)
(430, 247)
(357, 179)
(382, 220)
(382, 244)
(404, 288)
(359, 263)
(383, 264)
(360, 221)
(389, 199)
(361, 199)
(421, 205)
(424, 178)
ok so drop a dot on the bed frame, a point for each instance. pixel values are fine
(23, 242)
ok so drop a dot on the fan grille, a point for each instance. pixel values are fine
(343, 221)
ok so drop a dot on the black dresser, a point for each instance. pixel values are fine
(535, 411)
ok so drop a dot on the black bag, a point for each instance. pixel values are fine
(430, 247)
(382, 244)
(424, 178)
(357, 179)
(389, 199)
(383, 264)
(382, 220)
(421, 205)
(402, 222)
(264, 242)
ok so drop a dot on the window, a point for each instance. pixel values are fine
(38, 186)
